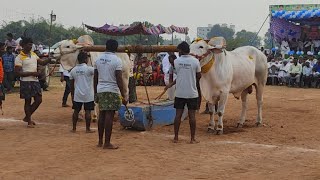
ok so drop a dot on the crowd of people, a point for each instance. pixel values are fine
(299, 46)
(301, 71)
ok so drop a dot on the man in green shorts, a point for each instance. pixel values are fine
(108, 87)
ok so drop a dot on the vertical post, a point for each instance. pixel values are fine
(158, 39)
(172, 38)
(140, 41)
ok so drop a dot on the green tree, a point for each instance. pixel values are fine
(225, 32)
(267, 40)
(247, 38)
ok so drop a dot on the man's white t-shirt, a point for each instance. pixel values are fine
(83, 83)
(29, 63)
(186, 83)
(107, 64)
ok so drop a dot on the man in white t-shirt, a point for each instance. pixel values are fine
(165, 68)
(108, 87)
(82, 93)
(188, 73)
(26, 64)
(65, 76)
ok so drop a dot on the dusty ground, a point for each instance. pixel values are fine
(287, 147)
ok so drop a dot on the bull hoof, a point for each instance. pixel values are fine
(211, 130)
(258, 124)
(239, 125)
(219, 132)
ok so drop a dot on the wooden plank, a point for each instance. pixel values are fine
(135, 48)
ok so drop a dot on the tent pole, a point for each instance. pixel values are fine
(172, 38)
(256, 36)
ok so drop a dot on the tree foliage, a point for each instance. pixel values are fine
(235, 39)
(39, 31)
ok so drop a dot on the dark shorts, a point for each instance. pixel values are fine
(89, 106)
(192, 103)
(29, 89)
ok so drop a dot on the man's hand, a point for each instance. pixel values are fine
(167, 87)
(124, 101)
(61, 79)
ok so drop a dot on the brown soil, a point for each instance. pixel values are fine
(286, 147)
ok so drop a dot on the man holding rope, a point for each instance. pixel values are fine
(108, 86)
(188, 73)
(26, 68)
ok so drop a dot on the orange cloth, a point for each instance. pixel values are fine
(1, 71)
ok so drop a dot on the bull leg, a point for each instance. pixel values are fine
(211, 112)
(221, 108)
(244, 95)
(259, 97)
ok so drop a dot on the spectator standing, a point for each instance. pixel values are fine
(65, 76)
(8, 68)
(10, 41)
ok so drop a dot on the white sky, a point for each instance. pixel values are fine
(244, 14)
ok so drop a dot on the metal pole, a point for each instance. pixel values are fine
(255, 38)
(172, 38)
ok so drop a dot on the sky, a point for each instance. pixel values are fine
(244, 14)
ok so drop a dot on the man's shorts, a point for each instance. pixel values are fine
(29, 89)
(88, 106)
(108, 101)
(192, 103)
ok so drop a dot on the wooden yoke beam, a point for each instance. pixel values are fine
(134, 48)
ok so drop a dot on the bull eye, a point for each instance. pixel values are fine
(201, 47)
(68, 47)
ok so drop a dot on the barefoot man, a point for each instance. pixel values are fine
(82, 92)
(26, 68)
(108, 86)
(188, 73)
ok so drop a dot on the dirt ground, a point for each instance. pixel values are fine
(286, 147)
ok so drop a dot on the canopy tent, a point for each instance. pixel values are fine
(295, 21)
(139, 28)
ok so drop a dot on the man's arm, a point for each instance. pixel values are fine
(120, 82)
(43, 62)
(121, 87)
(72, 88)
(95, 80)
(20, 73)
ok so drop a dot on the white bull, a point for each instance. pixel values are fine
(67, 52)
(230, 72)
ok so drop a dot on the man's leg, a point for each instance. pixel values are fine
(108, 130)
(192, 122)
(75, 119)
(27, 111)
(67, 91)
(177, 122)
(36, 103)
(192, 107)
(101, 124)
(88, 121)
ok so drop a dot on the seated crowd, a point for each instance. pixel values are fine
(297, 45)
(301, 71)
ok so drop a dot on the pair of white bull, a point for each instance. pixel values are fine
(223, 73)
